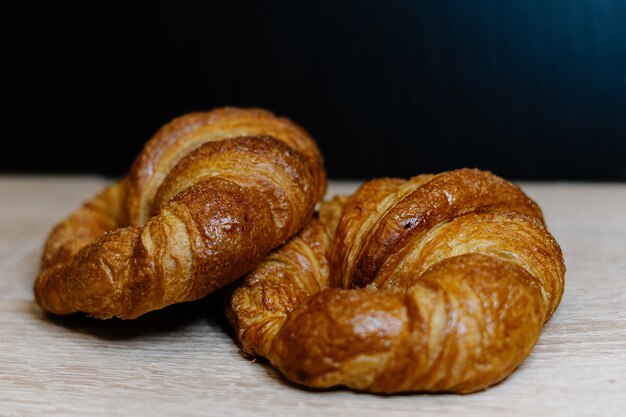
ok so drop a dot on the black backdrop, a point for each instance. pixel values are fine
(530, 89)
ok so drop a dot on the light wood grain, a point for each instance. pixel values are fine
(182, 360)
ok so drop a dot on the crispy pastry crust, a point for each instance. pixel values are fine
(208, 197)
(438, 283)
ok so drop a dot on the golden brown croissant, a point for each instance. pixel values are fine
(459, 272)
(207, 198)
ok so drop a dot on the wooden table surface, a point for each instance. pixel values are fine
(182, 360)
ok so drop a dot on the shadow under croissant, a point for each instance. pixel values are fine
(277, 376)
(162, 321)
(180, 315)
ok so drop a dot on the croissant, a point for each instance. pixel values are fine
(206, 199)
(439, 283)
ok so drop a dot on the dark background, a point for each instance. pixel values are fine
(530, 89)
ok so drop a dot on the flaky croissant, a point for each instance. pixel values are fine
(206, 199)
(439, 283)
